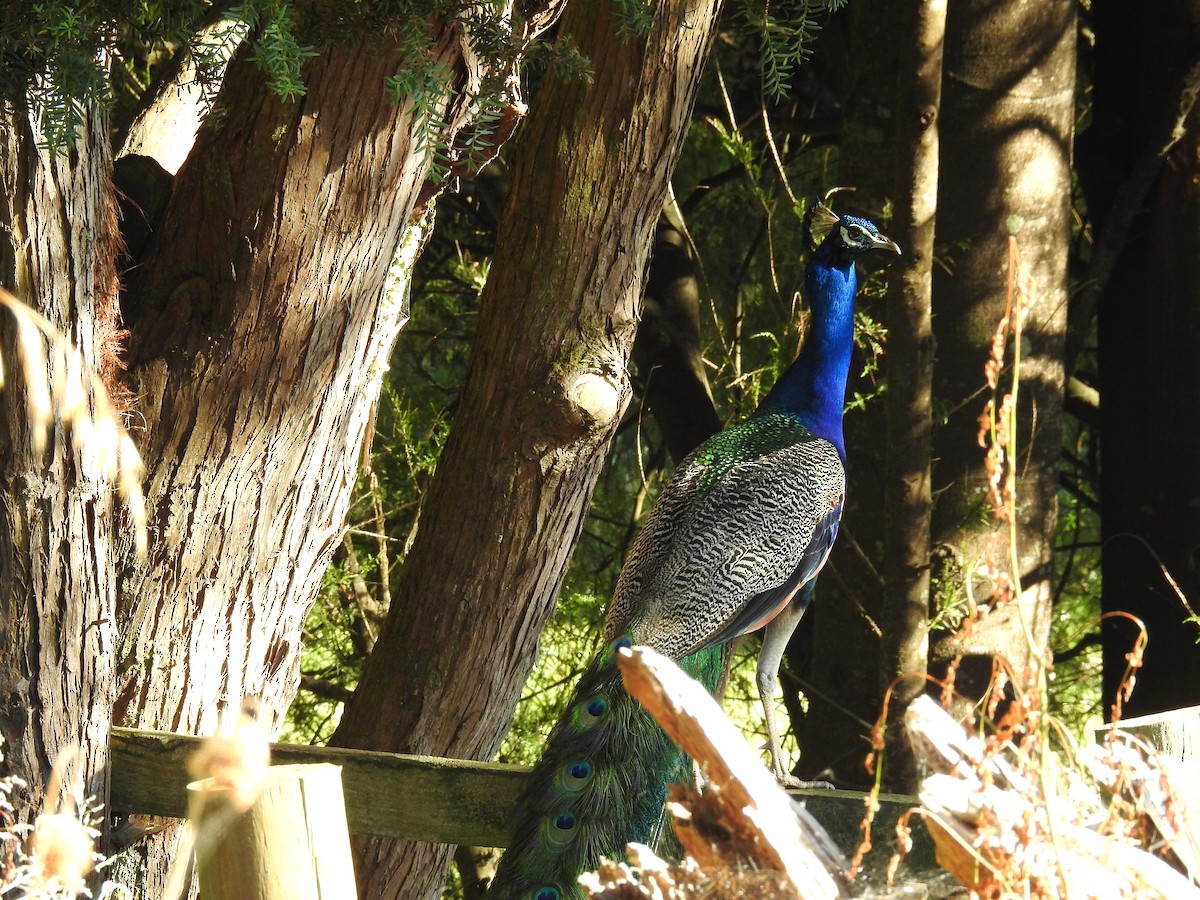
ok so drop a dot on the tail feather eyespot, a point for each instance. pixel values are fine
(573, 777)
(560, 829)
(591, 711)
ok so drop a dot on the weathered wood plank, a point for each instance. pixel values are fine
(1175, 732)
(387, 794)
(763, 829)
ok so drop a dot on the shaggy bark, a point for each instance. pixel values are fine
(261, 330)
(57, 606)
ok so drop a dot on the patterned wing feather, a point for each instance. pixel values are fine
(733, 530)
(763, 607)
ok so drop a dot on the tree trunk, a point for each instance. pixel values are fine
(1149, 319)
(58, 215)
(1007, 117)
(670, 364)
(253, 331)
(544, 392)
(908, 499)
(260, 330)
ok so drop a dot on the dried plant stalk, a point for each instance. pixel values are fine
(61, 387)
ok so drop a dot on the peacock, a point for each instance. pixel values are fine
(734, 543)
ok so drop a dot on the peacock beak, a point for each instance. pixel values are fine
(886, 243)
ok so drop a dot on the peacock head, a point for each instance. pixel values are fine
(845, 237)
(854, 236)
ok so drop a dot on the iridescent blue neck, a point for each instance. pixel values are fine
(813, 388)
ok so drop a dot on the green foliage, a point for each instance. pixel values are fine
(275, 49)
(1075, 629)
(330, 655)
(785, 32)
(562, 57)
(57, 54)
(51, 52)
(425, 83)
(636, 16)
(55, 51)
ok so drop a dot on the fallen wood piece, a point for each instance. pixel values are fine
(945, 745)
(1132, 771)
(1000, 829)
(744, 796)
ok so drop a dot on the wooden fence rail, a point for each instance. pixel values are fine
(427, 798)
(387, 794)
(460, 802)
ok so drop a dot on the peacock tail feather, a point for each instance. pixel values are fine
(601, 783)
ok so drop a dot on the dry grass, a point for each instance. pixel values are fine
(53, 857)
(60, 387)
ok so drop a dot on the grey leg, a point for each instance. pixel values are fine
(775, 640)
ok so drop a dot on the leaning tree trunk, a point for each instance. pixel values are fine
(544, 392)
(1007, 125)
(58, 600)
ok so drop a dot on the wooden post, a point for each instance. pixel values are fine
(291, 844)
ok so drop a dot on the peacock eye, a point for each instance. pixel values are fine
(854, 232)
